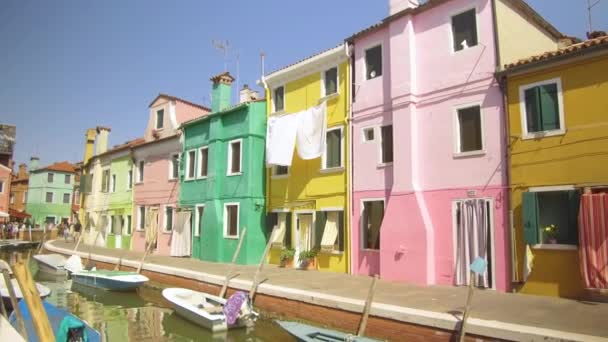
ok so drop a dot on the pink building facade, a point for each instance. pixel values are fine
(157, 170)
(5, 191)
(429, 92)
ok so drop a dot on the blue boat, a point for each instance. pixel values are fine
(109, 280)
(66, 326)
(309, 333)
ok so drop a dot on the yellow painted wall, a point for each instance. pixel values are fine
(579, 157)
(307, 187)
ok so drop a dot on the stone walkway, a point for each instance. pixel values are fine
(544, 316)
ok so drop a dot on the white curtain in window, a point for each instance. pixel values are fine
(472, 233)
(279, 235)
(180, 237)
(330, 233)
(151, 227)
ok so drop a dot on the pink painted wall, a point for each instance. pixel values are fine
(5, 177)
(185, 112)
(423, 81)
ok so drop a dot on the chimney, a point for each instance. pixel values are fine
(248, 94)
(89, 143)
(396, 6)
(103, 133)
(11, 164)
(22, 171)
(34, 163)
(222, 88)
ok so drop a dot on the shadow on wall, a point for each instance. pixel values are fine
(555, 273)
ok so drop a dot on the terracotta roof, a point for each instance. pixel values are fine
(63, 166)
(174, 98)
(519, 4)
(583, 47)
(302, 60)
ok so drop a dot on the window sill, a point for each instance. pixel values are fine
(202, 177)
(234, 174)
(331, 253)
(139, 183)
(332, 170)
(280, 176)
(231, 237)
(189, 179)
(140, 230)
(166, 232)
(458, 155)
(173, 180)
(454, 52)
(329, 97)
(370, 250)
(544, 134)
(383, 165)
(280, 112)
(556, 247)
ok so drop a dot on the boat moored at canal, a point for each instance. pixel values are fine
(51, 264)
(110, 280)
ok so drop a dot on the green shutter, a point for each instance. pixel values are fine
(530, 217)
(549, 106)
(574, 199)
(341, 231)
(287, 243)
(533, 110)
(320, 220)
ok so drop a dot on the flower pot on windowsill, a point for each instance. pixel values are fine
(287, 263)
(308, 264)
(552, 241)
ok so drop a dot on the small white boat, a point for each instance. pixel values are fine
(42, 290)
(308, 333)
(109, 280)
(52, 264)
(207, 310)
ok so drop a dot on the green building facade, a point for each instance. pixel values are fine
(222, 177)
(50, 193)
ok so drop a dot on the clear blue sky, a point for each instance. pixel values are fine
(69, 65)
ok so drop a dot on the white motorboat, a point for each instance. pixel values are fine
(207, 310)
(42, 290)
(52, 264)
(103, 279)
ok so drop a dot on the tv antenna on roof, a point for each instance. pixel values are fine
(223, 46)
(590, 5)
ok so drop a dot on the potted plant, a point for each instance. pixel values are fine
(286, 258)
(308, 259)
(550, 234)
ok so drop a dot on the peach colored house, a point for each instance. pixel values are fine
(5, 190)
(156, 174)
(429, 181)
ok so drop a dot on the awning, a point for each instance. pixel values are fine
(17, 214)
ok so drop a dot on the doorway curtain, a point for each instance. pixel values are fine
(472, 235)
(593, 240)
(180, 238)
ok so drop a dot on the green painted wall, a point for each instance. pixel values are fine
(246, 122)
(121, 200)
(36, 196)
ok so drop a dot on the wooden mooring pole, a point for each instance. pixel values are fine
(14, 303)
(234, 257)
(254, 286)
(368, 306)
(467, 308)
(141, 263)
(34, 303)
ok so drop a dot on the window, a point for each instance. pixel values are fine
(174, 166)
(200, 210)
(546, 208)
(203, 162)
(191, 164)
(50, 177)
(231, 220)
(12, 193)
(130, 179)
(386, 134)
(128, 224)
(281, 223)
(329, 230)
(67, 179)
(24, 196)
(66, 198)
(49, 197)
(141, 218)
(105, 181)
(464, 30)
(368, 134)
(279, 99)
(1, 186)
(333, 149)
(542, 109)
(140, 171)
(160, 117)
(113, 183)
(469, 130)
(371, 219)
(169, 219)
(330, 81)
(280, 170)
(373, 62)
(49, 219)
(234, 157)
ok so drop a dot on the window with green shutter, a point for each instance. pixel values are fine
(551, 217)
(331, 81)
(542, 108)
(287, 243)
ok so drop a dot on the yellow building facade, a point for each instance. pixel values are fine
(558, 149)
(308, 201)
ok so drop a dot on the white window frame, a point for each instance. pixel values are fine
(156, 119)
(25, 197)
(525, 135)
(113, 182)
(324, 95)
(361, 228)
(364, 68)
(364, 129)
(68, 177)
(141, 219)
(380, 150)
(187, 170)
(47, 177)
(274, 108)
(197, 220)
(69, 198)
(171, 155)
(451, 29)
(229, 169)
(199, 163)
(456, 131)
(130, 179)
(2, 187)
(165, 230)
(52, 197)
(238, 214)
(324, 167)
(141, 164)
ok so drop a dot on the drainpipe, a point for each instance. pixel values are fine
(268, 177)
(348, 50)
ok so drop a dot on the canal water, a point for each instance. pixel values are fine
(140, 316)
